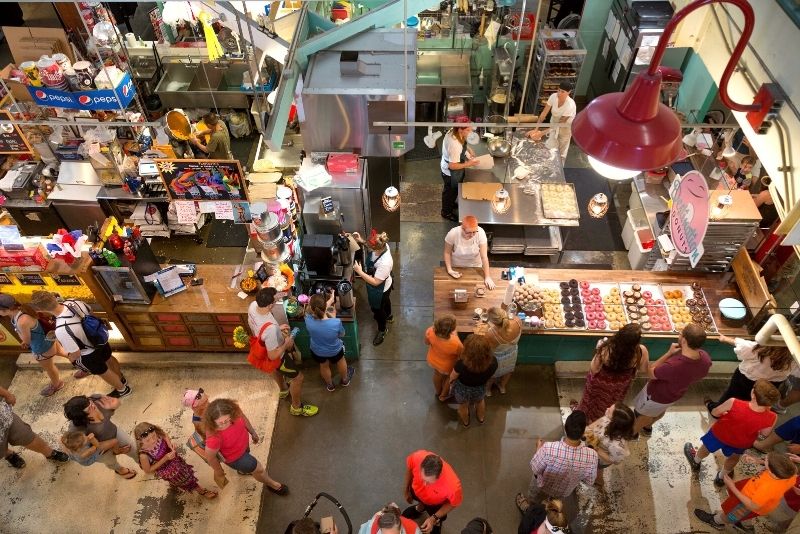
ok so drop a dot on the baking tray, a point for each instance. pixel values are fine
(559, 201)
(558, 307)
(656, 308)
(679, 307)
(607, 307)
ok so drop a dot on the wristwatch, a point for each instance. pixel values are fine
(436, 518)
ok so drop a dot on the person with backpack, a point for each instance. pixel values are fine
(33, 332)
(84, 338)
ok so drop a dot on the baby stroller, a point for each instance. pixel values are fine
(311, 506)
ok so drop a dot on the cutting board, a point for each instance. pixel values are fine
(479, 190)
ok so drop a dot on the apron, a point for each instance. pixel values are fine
(374, 293)
(456, 177)
(466, 253)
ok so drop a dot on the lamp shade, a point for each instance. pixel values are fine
(391, 199)
(631, 130)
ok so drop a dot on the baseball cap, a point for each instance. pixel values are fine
(7, 301)
(189, 397)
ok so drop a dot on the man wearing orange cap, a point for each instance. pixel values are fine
(466, 246)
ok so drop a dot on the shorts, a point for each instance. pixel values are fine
(41, 349)
(329, 359)
(790, 430)
(645, 406)
(733, 508)
(245, 463)
(288, 368)
(95, 361)
(19, 433)
(464, 393)
(713, 444)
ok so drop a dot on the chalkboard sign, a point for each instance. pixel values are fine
(5, 280)
(65, 280)
(30, 279)
(12, 141)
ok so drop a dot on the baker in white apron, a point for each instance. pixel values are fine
(563, 108)
(466, 246)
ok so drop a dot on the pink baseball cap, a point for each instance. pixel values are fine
(190, 397)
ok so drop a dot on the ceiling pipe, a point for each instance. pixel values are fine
(779, 323)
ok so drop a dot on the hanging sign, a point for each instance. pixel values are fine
(111, 99)
(12, 140)
(688, 219)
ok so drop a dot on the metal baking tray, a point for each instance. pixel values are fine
(688, 293)
(656, 295)
(607, 308)
(551, 192)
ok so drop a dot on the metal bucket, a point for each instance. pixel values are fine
(499, 119)
(268, 228)
(274, 251)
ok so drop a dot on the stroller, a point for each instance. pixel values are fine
(311, 506)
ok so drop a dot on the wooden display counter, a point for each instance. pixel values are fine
(550, 344)
(204, 317)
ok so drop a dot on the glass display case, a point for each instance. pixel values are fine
(122, 285)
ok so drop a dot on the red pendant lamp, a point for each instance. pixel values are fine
(626, 133)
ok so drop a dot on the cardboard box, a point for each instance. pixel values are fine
(17, 89)
(30, 257)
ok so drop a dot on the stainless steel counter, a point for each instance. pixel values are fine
(118, 193)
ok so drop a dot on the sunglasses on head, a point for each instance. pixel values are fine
(199, 394)
(147, 432)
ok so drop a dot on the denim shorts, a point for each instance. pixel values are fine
(245, 463)
(713, 444)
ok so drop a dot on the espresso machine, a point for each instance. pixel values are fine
(329, 260)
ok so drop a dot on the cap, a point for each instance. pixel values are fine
(470, 222)
(7, 301)
(189, 397)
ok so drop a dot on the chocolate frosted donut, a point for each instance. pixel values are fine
(573, 291)
(691, 303)
(695, 286)
(576, 299)
(569, 323)
(565, 292)
(573, 283)
(578, 314)
(564, 300)
(580, 323)
(569, 315)
(563, 285)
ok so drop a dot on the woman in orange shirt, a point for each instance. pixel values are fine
(444, 349)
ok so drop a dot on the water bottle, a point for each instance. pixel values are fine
(294, 332)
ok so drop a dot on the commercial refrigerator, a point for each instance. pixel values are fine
(350, 194)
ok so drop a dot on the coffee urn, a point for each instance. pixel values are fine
(345, 291)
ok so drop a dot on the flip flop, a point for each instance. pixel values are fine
(127, 474)
(208, 494)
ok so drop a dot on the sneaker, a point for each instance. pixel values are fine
(718, 481)
(119, 394)
(708, 519)
(690, 453)
(778, 409)
(50, 389)
(647, 431)
(330, 387)
(16, 461)
(80, 373)
(741, 527)
(379, 337)
(58, 456)
(350, 372)
(284, 394)
(306, 410)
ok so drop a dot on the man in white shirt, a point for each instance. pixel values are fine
(564, 109)
(467, 246)
(85, 356)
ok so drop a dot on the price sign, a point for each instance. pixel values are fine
(30, 279)
(66, 280)
(5, 280)
(12, 140)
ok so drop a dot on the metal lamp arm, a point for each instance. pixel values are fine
(747, 30)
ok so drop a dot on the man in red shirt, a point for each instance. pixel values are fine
(434, 485)
(738, 426)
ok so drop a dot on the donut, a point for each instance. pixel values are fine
(584, 285)
(563, 285)
(578, 314)
(647, 294)
(580, 323)
(636, 287)
(573, 283)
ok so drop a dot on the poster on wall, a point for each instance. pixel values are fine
(688, 218)
(12, 140)
(202, 179)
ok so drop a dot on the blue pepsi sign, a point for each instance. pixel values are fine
(99, 99)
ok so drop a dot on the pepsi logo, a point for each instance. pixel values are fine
(84, 100)
(40, 94)
(125, 91)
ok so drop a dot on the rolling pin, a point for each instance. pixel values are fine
(523, 117)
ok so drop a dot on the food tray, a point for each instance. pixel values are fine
(559, 201)
(556, 313)
(652, 311)
(603, 299)
(679, 311)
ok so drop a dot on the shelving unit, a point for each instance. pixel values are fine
(559, 57)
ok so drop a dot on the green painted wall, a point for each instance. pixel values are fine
(697, 90)
(595, 15)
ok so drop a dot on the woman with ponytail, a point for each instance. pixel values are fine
(545, 518)
(503, 334)
(326, 332)
(456, 157)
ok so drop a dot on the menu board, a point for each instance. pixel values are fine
(5, 280)
(30, 279)
(12, 140)
(202, 179)
(65, 279)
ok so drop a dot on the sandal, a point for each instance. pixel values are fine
(50, 389)
(208, 494)
(522, 503)
(282, 490)
(127, 474)
(465, 425)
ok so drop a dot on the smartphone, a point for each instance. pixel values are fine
(326, 525)
(294, 332)
(196, 282)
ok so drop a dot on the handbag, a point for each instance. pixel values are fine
(258, 356)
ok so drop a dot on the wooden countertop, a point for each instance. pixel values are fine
(215, 295)
(443, 286)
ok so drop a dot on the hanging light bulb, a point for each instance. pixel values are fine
(501, 202)
(690, 139)
(598, 205)
(611, 172)
(391, 199)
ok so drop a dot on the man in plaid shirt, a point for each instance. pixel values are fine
(559, 466)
